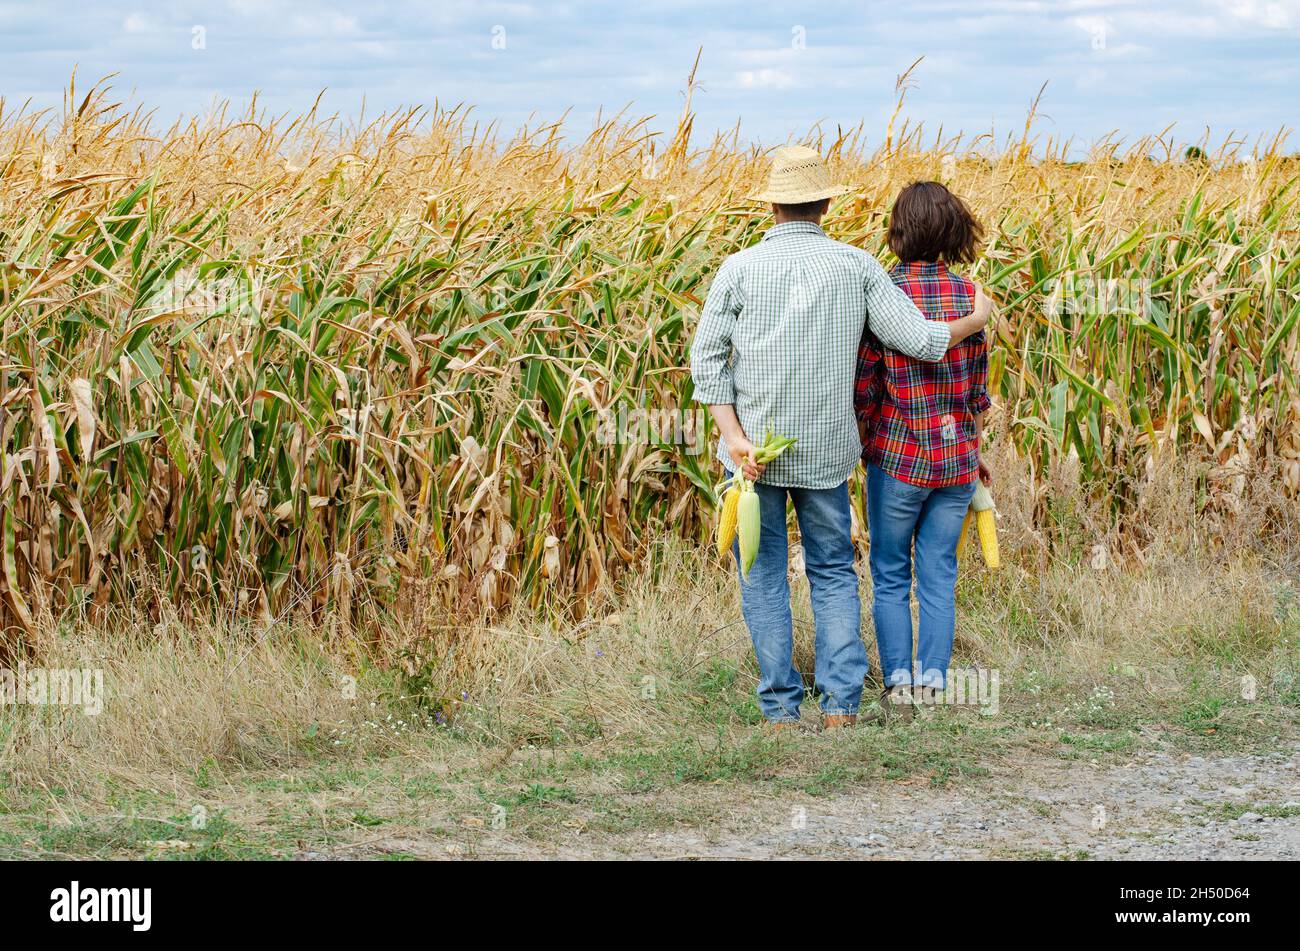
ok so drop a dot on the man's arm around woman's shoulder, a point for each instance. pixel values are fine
(895, 320)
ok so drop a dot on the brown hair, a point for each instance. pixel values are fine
(930, 223)
(807, 209)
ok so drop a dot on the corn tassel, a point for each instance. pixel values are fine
(985, 527)
(727, 523)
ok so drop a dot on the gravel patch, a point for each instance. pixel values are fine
(1155, 806)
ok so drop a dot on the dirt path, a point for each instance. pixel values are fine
(1158, 805)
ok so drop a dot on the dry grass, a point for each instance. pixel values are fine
(178, 698)
(258, 730)
(664, 656)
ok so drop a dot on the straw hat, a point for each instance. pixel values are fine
(798, 175)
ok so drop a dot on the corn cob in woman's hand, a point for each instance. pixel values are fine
(985, 526)
(981, 512)
(965, 530)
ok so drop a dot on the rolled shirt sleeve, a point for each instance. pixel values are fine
(711, 350)
(896, 322)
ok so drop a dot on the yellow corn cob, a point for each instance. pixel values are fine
(727, 523)
(740, 505)
(985, 527)
(747, 527)
(965, 530)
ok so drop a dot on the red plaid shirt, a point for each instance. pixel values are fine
(919, 418)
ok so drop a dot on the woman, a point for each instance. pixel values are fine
(921, 425)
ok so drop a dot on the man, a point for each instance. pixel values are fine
(776, 349)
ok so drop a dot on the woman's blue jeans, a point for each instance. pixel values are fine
(841, 664)
(899, 515)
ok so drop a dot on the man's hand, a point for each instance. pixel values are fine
(983, 306)
(739, 447)
(742, 452)
(972, 323)
(986, 474)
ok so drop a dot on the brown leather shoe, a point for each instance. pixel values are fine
(837, 721)
(898, 703)
(776, 726)
(926, 698)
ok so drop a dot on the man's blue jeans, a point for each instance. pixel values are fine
(899, 514)
(841, 666)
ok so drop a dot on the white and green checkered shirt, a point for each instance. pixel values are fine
(779, 338)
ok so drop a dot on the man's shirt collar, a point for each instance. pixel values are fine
(792, 228)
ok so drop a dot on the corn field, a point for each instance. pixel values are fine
(284, 364)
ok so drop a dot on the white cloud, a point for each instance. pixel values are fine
(1097, 27)
(135, 23)
(766, 78)
(326, 24)
(1272, 14)
(1212, 19)
(376, 49)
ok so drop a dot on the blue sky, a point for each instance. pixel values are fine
(778, 67)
